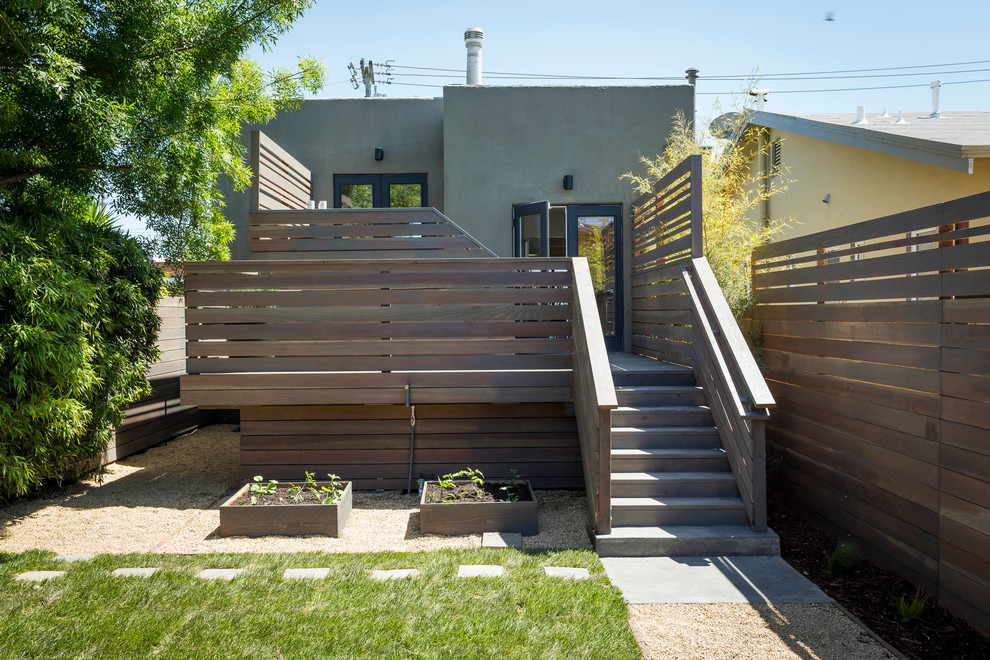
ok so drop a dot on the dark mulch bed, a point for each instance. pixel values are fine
(467, 492)
(869, 592)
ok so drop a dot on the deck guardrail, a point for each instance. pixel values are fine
(594, 398)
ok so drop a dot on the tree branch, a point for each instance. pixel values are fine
(22, 176)
(195, 44)
(14, 35)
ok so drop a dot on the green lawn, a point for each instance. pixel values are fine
(90, 614)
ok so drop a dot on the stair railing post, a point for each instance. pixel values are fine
(697, 223)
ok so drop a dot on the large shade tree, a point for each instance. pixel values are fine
(135, 101)
(140, 102)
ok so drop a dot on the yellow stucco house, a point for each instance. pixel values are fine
(844, 172)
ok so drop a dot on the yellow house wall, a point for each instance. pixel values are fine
(863, 184)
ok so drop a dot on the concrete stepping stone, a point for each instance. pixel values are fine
(305, 573)
(219, 573)
(395, 574)
(501, 540)
(480, 570)
(39, 576)
(566, 573)
(135, 572)
(74, 558)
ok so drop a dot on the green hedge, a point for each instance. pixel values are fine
(78, 330)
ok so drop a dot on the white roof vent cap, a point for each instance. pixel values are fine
(861, 115)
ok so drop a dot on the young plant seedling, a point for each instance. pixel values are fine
(843, 559)
(911, 607)
(258, 488)
(509, 488)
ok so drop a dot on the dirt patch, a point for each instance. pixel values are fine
(870, 592)
(468, 492)
(292, 493)
(167, 499)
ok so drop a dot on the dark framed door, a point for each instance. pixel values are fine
(593, 231)
(366, 191)
(531, 229)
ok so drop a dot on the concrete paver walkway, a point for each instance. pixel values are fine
(757, 580)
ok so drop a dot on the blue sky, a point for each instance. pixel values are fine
(640, 39)
(646, 39)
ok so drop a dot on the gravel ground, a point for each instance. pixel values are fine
(732, 631)
(166, 500)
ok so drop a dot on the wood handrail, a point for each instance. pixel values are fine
(726, 368)
(733, 343)
(594, 397)
(586, 320)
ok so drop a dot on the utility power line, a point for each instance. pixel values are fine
(786, 91)
(808, 75)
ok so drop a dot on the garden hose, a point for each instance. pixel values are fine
(412, 436)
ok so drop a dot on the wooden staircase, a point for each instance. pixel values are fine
(673, 491)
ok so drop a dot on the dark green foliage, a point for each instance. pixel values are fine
(843, 559)
(77, 332)
(141, 101)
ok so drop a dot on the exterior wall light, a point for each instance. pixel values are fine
(568, 182)
(379, 153)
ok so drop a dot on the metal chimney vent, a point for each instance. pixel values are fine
(474, 39)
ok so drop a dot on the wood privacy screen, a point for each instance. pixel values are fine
(877, 345)
(360, 234)
(347, 332)
(666, 232)
(278, 181)
(159, 416)
(369, 444)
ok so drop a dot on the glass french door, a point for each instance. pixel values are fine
(590, 231)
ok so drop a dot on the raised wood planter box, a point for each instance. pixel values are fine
(454, 518)
(283, 519)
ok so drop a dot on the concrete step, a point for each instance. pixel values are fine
(687, 541)
(660, 437)
(653, 378)
(663, 416)
(664, 395)
(653, 459)
(653, 511)
(674, 484)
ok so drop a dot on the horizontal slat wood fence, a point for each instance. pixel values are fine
(279, 181)
(343, 332)
(370, 444)
(876, 341)
(159, 416)
(666, 233)
(360, 234)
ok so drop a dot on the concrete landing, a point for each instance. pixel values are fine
(756, 580)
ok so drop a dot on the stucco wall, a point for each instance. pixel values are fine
(339, 136)
(863, 184)
(511, 145)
